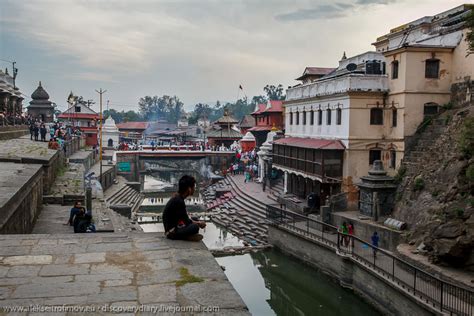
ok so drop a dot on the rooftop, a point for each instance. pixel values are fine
(133, 125)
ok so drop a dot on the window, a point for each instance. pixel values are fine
(393, 159)
(291, 118)
(338, 116)
(376, 116)
(432, 68)
(77, 109)
(320, 117)
(268, 120)
(297, 118)
(395, 69)
(394, 117)
(304, 117)
(328, 117)
(311, 118)
(374, 154)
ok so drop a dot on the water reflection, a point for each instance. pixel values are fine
(272, 283)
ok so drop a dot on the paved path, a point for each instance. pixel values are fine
(134, 270)
(253, 189)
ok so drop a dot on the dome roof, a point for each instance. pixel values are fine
(40, 93)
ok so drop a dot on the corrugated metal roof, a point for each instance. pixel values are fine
(133, 125)
(315, 143)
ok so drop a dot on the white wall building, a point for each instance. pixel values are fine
(110, 133)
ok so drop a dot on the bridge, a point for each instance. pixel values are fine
(132, 162)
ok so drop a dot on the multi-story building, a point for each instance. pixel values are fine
(267, 116)
(372, 104)
(424, 59)
(87, 120)
(332, 127)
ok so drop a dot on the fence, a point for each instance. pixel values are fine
(440, 294)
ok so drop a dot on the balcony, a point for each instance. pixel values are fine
(335, 85)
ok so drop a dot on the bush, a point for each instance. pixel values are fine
(400, 174)
(448, 106)
(466, 140)
(419, 184)
(470, 173)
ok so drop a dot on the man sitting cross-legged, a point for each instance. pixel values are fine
(176, 221)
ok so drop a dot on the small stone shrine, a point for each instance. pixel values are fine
(377, 192)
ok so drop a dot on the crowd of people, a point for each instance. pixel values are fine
(58, 133)
(9, 119)
(245, 163)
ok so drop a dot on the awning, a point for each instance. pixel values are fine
(314, 143)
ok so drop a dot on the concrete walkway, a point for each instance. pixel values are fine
(136, 273)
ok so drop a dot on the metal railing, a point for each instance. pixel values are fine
(433, 291)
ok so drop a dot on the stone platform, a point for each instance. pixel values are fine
(137, 273)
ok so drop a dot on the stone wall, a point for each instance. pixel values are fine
(10, 132)
(462, 93)
(23, 186)
(377, 291)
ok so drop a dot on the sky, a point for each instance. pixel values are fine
(198, 50)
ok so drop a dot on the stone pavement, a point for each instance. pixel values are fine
(25, 149)
(133, 272)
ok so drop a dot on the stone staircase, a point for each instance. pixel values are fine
(125, 195)
(277, 190)
(239, 212)
(415, 157)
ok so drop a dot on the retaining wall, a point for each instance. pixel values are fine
(384, 296)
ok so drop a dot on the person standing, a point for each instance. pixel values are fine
(375, 242)
(43, 132)
(177, 224)
(36, 132)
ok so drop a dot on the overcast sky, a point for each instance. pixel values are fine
(198, 50)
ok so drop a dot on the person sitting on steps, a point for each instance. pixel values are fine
(178, 225)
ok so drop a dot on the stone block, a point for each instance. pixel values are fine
(75, 289)
(209, 292)
(27, 260)
(157, 293)
(64, 269)
(23, 271)
(89, 257)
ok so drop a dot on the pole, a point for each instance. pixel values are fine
(100, 92)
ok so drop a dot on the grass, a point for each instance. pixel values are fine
(186, 277)
(419, 184)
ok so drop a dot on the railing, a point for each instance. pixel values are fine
(440, 294)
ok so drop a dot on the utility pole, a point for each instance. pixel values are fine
(100, 92)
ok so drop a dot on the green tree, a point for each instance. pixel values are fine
(166, 108)
(274, 92)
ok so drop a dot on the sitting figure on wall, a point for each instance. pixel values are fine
(176, 221)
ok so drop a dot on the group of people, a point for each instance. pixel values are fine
(346, 240)
(7, 119)
(245, 163)
(80, 219)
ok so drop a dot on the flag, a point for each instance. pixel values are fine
(240, 87)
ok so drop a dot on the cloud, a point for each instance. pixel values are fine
(328, 11)
(320, 12)
(368, 2)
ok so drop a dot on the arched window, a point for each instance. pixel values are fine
(338, 116)
(297, 118)
(394, 117)
(376, 116)
(320, 117)
(311, 118)
(328, 117)
(291, 118)
(304, 117)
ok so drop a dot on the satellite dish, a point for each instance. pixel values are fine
(351, 67)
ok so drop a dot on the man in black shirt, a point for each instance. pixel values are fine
(176, 221)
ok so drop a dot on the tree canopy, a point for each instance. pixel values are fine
(161, 108)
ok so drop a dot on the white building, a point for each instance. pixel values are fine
(110, 133)
(332, 126)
